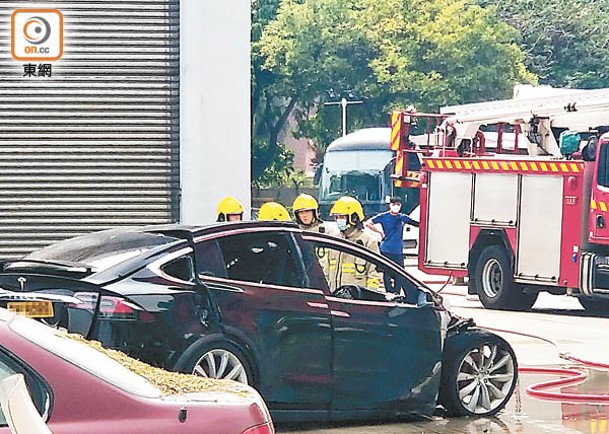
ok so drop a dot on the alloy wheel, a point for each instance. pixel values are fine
(221, 363)
(485, 378)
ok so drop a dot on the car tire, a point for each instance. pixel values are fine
(216, 359)
(495, 285)
(479, 374)
(595, 305)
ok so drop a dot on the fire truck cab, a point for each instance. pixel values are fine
(531, 219)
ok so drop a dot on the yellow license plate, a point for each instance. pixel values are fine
(33, 309)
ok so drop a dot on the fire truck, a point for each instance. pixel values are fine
(525, 220)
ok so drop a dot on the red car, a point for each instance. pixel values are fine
(78, 389)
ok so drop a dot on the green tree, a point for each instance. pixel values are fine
(387, 53)
(271, 161)
(563, 39)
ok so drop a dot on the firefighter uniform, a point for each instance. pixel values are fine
(344, 268)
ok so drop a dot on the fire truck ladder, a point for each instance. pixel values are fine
(579, 110)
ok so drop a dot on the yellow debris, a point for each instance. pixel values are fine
(169, 383)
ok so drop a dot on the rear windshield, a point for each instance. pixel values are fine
(101, 250)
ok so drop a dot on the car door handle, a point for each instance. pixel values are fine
(318, 305)
(340, 313)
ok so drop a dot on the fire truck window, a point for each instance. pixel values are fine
(603, 170)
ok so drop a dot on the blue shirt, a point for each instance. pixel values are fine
(393, 226)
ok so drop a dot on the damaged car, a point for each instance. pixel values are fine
(75, 387)
(257, 302)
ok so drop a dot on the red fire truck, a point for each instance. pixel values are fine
(522, 221)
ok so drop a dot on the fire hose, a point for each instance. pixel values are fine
(569, 375)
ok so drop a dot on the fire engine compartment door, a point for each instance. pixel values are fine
(448, 219)
(496, 198)
(539, 236)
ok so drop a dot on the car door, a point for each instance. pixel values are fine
(265, 301)
(386, 352)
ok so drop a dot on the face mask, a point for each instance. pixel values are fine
(395, 208)
(342, 224)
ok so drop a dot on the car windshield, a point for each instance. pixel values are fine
(99, 250)
(84, 357)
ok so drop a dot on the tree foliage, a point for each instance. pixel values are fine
(271, 161)
(563, 39)
(386, 53)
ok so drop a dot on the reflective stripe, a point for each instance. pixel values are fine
(550, 167)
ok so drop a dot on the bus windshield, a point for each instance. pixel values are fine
(359, 174)
(364, 186)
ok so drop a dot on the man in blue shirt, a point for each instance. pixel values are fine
(392, 223)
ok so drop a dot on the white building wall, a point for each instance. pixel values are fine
(214, 106)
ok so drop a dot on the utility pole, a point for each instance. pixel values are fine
(344, 103)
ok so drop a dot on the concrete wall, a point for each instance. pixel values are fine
(214, 105)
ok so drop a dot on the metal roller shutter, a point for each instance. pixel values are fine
(97, 144)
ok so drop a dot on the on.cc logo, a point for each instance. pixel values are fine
(36, 34)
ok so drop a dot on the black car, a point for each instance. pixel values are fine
(251, 301)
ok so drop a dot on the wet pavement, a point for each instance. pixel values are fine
(524, 414)
(558, 319)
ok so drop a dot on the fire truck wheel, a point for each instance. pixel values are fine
(495, 285)
(479, 374)
(595, 305)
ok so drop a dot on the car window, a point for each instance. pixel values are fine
(101, 250)
(343, 269)
(210, 260)
(262, 257)
(41, 397)
(180, 268)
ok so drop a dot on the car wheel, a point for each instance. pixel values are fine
(222, 360)
(479, 374)
(595, 305)
(495, 285)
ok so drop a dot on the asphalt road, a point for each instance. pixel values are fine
(557, 318)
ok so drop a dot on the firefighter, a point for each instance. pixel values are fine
(344, 268)
(273, 211)
(306, 213)
(229, 210)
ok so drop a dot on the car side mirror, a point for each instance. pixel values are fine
(424, 299)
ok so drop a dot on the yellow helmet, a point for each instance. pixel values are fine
(305, 202)
(228, 205)
(350, 207)
(273, 211)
